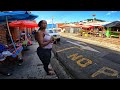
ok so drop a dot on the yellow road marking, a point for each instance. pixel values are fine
(75, 56)
(69, 49)
(81, 58)
(86, 63)
(103, 71)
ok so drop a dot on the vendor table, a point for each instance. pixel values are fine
(5, 67)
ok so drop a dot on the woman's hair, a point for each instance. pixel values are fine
(40, 23)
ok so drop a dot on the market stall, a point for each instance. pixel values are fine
(26, 24)
(86, 30)
(113, 29)
(97, 30)
(11, 49)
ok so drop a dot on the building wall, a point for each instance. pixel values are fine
(15, 33)
(3, 39)
(59, 25)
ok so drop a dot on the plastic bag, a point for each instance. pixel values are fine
(6, 53)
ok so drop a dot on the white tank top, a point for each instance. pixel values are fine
(47, 37)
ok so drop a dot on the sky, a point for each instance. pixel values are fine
(75, 16)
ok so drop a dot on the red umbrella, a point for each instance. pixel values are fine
(23, 23)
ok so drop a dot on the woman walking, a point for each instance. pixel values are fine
(45, 42)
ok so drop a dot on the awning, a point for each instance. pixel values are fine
(16, 15)
(23, 23)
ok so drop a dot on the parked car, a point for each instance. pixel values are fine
(54, 34)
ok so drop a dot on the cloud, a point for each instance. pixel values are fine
(111, 12)
(108, 13)
(49, 21)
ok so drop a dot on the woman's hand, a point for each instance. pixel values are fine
(52, 40)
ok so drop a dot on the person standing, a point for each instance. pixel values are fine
(45, 42)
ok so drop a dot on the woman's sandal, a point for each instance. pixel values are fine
(50, 69)
(51, 73)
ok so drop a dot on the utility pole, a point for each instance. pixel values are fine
(94, 17)
(65, 22)
(52, 22)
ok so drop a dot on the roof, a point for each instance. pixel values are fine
(113, 24)
(16, 15)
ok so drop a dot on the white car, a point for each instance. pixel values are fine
(54, 34)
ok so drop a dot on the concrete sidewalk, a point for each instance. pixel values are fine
(32, 67)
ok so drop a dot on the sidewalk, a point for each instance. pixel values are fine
(110, 43)
(32, 67)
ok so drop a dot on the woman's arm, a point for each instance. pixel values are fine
(40, 39)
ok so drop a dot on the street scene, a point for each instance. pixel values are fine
(84, 60)
(59, 45)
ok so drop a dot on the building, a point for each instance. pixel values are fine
(3, 32)
(58, 25)
(51, 26)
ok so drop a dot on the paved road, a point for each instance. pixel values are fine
(86, 61)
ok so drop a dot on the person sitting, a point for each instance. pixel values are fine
(23, 33)
(18, 43)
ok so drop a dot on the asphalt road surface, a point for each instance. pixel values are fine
(87, 61)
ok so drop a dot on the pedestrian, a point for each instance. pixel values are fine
(33, 35)
(23, 33)
(45, 42)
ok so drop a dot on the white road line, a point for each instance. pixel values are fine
(81, 43)
(83, 47)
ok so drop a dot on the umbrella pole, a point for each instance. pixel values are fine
(10, 34)
(25, 34)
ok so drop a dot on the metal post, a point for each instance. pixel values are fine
(10, 33)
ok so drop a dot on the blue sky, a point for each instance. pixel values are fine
(75, 16)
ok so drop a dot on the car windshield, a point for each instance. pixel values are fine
(54, 31)
(50, 31)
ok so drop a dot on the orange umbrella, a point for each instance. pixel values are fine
(23, 23)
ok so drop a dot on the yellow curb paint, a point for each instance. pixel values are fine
(85, 64)
(104, 71)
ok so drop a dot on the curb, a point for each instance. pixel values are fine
(59, 69)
